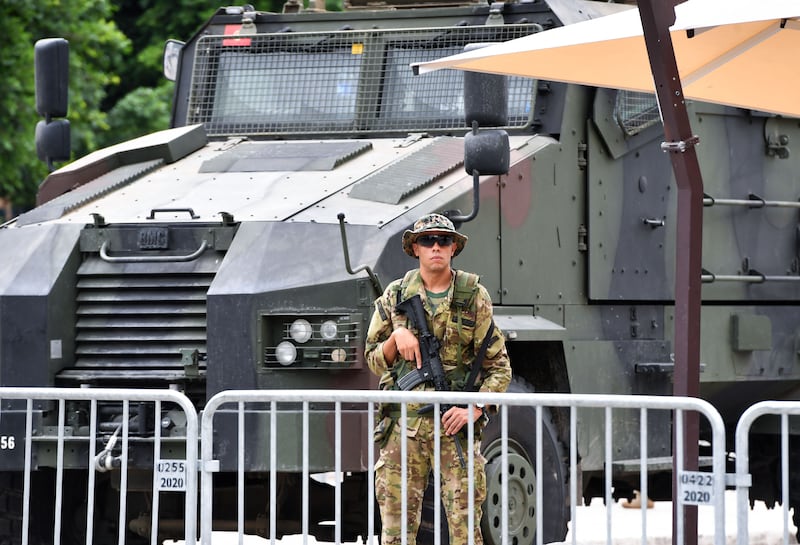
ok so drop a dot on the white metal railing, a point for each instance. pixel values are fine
(61, 439)
(41, 438)
(743, 479)
(711, 490)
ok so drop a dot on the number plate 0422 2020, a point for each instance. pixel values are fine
(696, 488)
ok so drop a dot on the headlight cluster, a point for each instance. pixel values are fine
(313, 342)
(301, 330)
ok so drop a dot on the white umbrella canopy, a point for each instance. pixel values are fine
(734, 52)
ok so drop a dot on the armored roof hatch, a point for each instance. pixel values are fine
(285, 156)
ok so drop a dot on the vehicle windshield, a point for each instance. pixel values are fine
(355, 81)
(278, 87)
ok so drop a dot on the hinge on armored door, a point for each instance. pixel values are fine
(583, 234)
(777, 143)
(495, 17)
(795, 264)
(582, 155)
(190, 360)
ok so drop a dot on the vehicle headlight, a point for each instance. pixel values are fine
(329, 330)
(315, 340)
(286, 353)
(339, 355)
(300, 331)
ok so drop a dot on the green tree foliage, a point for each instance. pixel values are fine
(142, 111)
(97, 48)
(117, 91)
(150, 23)
(142, 103)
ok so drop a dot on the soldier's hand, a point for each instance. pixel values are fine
(457, 417)
(407, 345)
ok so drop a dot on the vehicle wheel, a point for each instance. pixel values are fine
(522, 476)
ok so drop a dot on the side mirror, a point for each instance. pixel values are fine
(485, 96)
(487, 153)
(486, 105)
(51, 65)
(51, 74)
(172, 57)
(52, 140)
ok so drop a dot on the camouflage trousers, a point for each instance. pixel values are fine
(453, 479)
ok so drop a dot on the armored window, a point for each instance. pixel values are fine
(353, 82)
(636, 111)
(284, 88)
(437, 99)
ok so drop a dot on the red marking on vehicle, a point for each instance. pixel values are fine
(234, 30)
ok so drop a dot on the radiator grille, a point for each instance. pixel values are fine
(341, 81)
(135, 326)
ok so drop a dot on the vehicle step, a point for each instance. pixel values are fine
(659, 463)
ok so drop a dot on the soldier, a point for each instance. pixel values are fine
(459, 314)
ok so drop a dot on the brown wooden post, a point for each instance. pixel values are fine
(657, 16)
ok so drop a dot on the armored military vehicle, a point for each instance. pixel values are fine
(217, 254)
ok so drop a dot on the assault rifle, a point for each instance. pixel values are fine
(432, 368)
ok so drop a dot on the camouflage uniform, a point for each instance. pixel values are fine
(459, 346)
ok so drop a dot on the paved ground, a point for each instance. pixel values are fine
(765, 526)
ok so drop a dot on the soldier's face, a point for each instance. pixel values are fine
(434, 258)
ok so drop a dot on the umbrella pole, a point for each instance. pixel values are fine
(657, 16)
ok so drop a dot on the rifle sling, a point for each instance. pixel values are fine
(469, 385)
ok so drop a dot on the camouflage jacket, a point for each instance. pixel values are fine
(475, 320)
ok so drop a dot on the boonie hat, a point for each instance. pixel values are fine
(432, 223)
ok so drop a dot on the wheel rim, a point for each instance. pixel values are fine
(521, 496)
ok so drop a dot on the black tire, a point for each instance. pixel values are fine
(522, 477)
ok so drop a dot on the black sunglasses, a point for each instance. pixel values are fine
(429, 240)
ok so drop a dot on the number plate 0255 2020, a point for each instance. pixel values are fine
(171, 475)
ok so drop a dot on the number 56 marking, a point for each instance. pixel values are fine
(7, 442)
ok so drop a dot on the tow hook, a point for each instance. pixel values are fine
(104, 460)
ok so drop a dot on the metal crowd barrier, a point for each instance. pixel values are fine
(784, 409)
(713, 482)
(68, 442)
